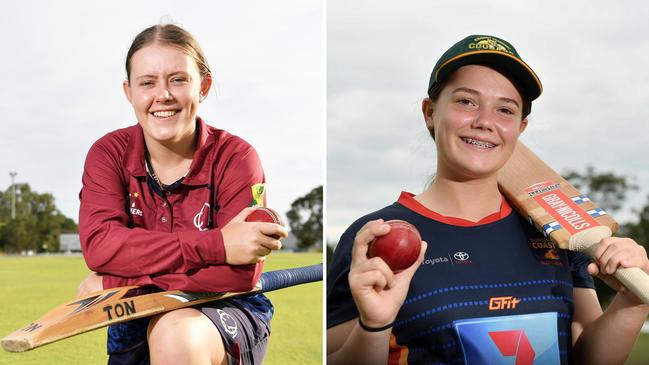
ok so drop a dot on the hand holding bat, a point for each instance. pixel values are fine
(568, 218)
(614, 252)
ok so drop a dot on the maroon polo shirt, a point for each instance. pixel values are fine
(135, 235)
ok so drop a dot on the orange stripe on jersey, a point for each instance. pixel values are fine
(398, 355)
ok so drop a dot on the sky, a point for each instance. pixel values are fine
(591, 57)
(63, 67)
(276, 69)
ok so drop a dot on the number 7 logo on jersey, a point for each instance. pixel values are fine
(524, 339)
(514, 343)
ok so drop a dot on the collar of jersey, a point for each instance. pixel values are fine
(197, 175)
(407, 200)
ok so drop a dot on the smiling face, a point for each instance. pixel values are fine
(165, 90)
(477, 121)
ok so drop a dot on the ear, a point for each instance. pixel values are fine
(428, 109)
(206, 84)
(127, 90)
(522, 127)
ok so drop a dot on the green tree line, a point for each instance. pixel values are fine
(37, 225)
(610, 192)
(305, 218)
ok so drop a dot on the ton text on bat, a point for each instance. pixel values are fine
(120, 310)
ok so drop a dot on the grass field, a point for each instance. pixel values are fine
(640, 354)
(30, 286)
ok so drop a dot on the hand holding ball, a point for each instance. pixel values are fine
(399, 248)
(266, 215)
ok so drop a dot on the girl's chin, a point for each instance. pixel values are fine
(163, 135)
(478, 170)
(166, 133)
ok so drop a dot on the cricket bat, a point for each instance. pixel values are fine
(556, 208)
(123, 304)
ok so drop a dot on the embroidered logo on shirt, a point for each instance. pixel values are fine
(200, 218)
(456, 258)
(545, 251)
(499, 303)
(229, 324)
(135, 210)
(435, 260)
(258, 191)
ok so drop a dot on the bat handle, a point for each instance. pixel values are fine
(634, 279)
(278, 279)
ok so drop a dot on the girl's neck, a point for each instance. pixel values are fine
(171, 161)
(171, 153)
(471, 200)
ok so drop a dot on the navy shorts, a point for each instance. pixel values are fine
(244, 328)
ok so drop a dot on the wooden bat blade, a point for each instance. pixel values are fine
(123, 304)
(101, 309)
(556, 208)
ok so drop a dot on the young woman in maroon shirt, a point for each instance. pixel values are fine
(164, 203)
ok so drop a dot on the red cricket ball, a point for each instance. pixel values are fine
(267, 215)
(399, 248)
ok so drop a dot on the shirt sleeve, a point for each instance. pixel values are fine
(340, 303)
(235, 192)
(579, 269)
(218, 278)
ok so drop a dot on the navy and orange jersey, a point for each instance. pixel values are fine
(489, 292)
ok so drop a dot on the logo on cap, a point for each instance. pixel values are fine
(489, 43)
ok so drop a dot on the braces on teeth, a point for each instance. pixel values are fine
(478, 143)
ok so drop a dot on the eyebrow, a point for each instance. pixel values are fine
(475, 92)
(149, 76)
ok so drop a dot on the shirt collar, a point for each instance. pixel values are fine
(407, 199)
(197, 175)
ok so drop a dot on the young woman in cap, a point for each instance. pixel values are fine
(487, 287)
(164, 203)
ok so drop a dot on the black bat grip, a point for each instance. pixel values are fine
(279, 279)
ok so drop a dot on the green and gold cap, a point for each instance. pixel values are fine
(491, 51)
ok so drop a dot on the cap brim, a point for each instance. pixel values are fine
(519, 70)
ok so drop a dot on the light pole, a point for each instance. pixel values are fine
(13, 195)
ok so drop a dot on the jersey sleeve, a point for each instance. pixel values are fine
(579, 269)
(340, 304)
